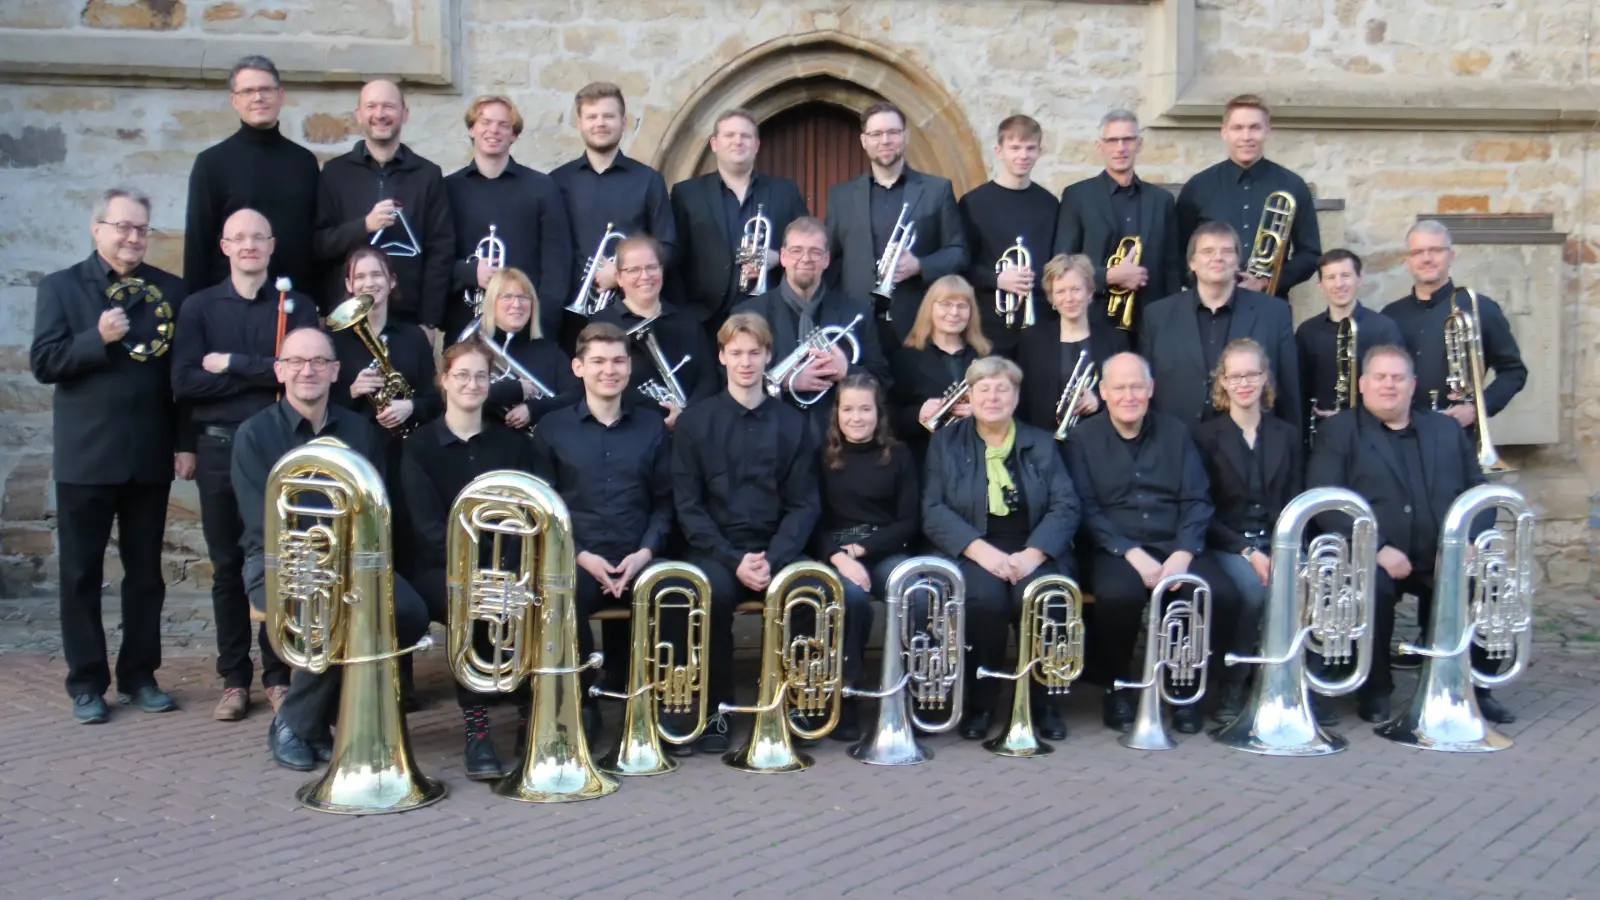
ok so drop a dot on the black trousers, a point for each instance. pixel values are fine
(993, 608)
(84, 513)
(230, 606)
(1120, 599)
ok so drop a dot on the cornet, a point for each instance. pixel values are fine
(1463, 351)
(1271, 246)
(1008, 305)
(667, 390)
(953, 396)
(1178, 643)
(491, 250)
(1084, 378)
(753, 249)
(901, 240)
(589, 299)
(1050, 650)
(1119, 300)
(821, 340)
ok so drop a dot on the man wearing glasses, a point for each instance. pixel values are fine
(222, 367)
(255, 167)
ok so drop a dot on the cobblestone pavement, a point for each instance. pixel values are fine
(179, 806)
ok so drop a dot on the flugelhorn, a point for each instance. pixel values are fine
(1119, 300)
(953, 396)
(1084, 378)
(354, 315)
(1463, 353)
(667, 390)
(1177, 648)
(1319, 600)
(491, 250)
(901, 240)
(924, 654)
(530, 611)
(1483, 597)
(754, 245)
(803, 673)
(820, 340)
(1008, 305)
(330, 602)
(657, 682)
(1049, 652)
(1271, 246)
(591, 299)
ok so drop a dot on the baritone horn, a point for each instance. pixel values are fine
(1177, 648)
(1008, 305)
(330, 602)
(901, 240)
(754, 246)
(1084, 378)
(529, 609)
(1119, 300)
(491, 250)
(1463, 352)
(1049, 652)
(1318, 600)
(924, 654)
(355, 314)
(803, 673)
(591, 299)
(658, 683)
(1483, 600)
(819, 340)
(1271, 246)
(953, 396)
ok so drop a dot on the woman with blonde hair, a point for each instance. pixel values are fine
(944, 340)
(1049, 352)
(510, 323)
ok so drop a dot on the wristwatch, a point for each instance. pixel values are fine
(1248, 552)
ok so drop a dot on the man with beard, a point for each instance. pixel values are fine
(384, 193)
(1339, 278)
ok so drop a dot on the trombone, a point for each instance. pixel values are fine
(901, 240)
(1179, 642)
(591, 299)
(820, 340)
(667, 390)
(491, 250)
(1084, 378)
(1008, 305)
(953, 396)
(1463, 351)
(1271, 246)
(1050, 649)
(1119, 300)
(753, 249)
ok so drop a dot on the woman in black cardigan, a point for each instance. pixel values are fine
(998, 500)
(511, 324)
(1048, 352)
(944, 340)
(1255, 466)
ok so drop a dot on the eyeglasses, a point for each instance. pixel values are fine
(246, 240)
(126, 228)
(950, 305)
(1239, 378)
(1119, 141)
(886, 133)
(812, 253)
(317, 363)
(519, 299)
(636, 271)
(463, 377)
(255, 92)
(1214, 252)
(1426, 251)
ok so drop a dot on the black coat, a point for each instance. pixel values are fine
(1039, 356)
(1088, 225)
(1282, 464)
(955, 493)
(920, 376)
(708, 279)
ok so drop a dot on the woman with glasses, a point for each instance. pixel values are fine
(511, 323)
(1049, 353)
(945, 339)
(998, 499)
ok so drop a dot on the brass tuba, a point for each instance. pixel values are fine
(330, 602)
(1271, 246)
(1179, 642)
(1084, 378)
(1483, 596)
(657, 682)
(753, 247)
(901, 240)
(821, 339)
(953, 396)
(1050, 649)
(353, 314)
(1320, 600)
(920, 665)
(590, 299)
(532, 618)
(804, 673)
(1119, 300)
(1463, 352)
(491, 250)
(1008, 305)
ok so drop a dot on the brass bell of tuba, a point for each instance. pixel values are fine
(1463, 353)
(531, 614)
(330, 602)
(1119, 300)
(1049, 652)
(353, 315)
(1271, 246)
(1008, 305)
(1177, 643)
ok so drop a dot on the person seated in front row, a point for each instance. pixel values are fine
(511, 323)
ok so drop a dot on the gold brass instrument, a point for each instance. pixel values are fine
(820, 340)
(1008, 305)
(657, 682)
(1119, 300)
(667, 390)
(753, 248)
(491, 250)
(330, 602)
(531, 615)
(953, 396)
(591, 299)
(353, 314)
(1463, 352)
(803, 673)
(1319, 599)
(1483, 597)
(1084, 378)
(1177, 643)
(1050, 648)
(130, 292)
(901, 240)
(398, 249)
(1271, 246)
(922, 665)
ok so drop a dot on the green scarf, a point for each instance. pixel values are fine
(994, 463)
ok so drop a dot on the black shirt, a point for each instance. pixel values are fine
(1226, 192)
(1421, 323)
(436, 465)
(1153, 494)
(615, 478)
(994, 217)
(529, 216)
(411, 355)
(629, 194)
(867, 490)
(1214, 325)
(218, 320)
(1319, 367)
(1255, 521)
(884, 205)
(1125, 204)
(1424, 527)
(678, 335)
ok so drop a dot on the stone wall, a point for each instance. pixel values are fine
(1497, 90)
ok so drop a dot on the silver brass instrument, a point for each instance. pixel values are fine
(753, 248)
(1008, 305)
(901, 240)
(1347, 359)
(1271, 246)
(1119, 300)
(1463, 352)
(491, 250)
(353, 315)
(1483, 597)
(953, 396)
(1084, 378)
(590, 299)
(1319, 600)
(330, 602)
(820, 340)
(1050, 649)
(504, 364)
(667, 390)
(398, 249)
(924, 653)
(1177, 643)
(128, 293)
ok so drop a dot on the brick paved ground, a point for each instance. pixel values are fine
(179, 806)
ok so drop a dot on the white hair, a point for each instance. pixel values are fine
(1430, 226)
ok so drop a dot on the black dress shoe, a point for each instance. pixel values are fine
(1187, 719)
(1493, 709)
(90, 709)
(849, 727)
(1117, 710)
(715, 738)
(480, 761)
(1326, 715)
(1232, 704)
(322, 750)
(148, 698)
(1049, 724)
(1374, 709)
(288, 750)
(975, 727)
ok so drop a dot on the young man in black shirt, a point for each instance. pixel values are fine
(1339, 278)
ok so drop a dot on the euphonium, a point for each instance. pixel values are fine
(1319, 600)
(953, 396)
(667, 390)
(532, 619)
(753, 247)
(1119, 300)
(657, 682)
(353, 314)
(804, 673)
(822, 339)
(589, 299)
(1271, 246)
(1008, 305)
(1463, 352)
(1179, 642)
(1084, 378)
(1050, 649)
(1483, 596)
(901, 240)
(491, 250)
(330, 601)
(922, 665)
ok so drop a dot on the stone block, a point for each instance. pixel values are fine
(61, 100)
(165, 250)
(328, 128)
(1462, 203)
(202, 126)
(27, 490)
(1470, 62)
(1512, 150)
(32, 148)
(21, 394)
(136, 15)
(35, 14)
(222, 12)
(27, 541)
(586, 39)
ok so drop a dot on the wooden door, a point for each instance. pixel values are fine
(816, 144)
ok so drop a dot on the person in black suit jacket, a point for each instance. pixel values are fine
(711, 211)
(1411, 465)
(1098, 212)
(944, 340)
(1183, 335)
(117, 438)
(1049, 353)
(1255, 465)
(1339, 277)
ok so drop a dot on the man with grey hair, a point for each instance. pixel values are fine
(100, 335)
(1098, 213)
(255, 168)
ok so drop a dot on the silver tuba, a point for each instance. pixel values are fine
(1483, 597)
(590, 300)
(491, 250)
(821, 339)
(667, 390)
(1320, 600)
(1084, 378)
(753, 248)
(901, 240)
(1178, 641)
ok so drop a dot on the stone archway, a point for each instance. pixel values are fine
(830, 67)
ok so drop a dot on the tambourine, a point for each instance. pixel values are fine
(130, 292)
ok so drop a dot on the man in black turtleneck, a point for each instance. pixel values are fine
(255, 168)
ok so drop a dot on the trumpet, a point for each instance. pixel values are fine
(953, 396)
(1271, 246)
(1007, 305)
(820, 340)
(667, 390)
(491, 250)
(1119, 300)
(1084, 378)
(355, 314)
(1463, 351)
(591, 300)
(901, 240)
(753, 249)
(1179, 642)
(1050, 648)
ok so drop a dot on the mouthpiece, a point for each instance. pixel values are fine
(283, 284)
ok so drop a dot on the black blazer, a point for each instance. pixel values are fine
(955, 493)
(1089, 226)
(114, 418)
(1282, 462)
(1039, 355)
(921, 375)
(708, 280)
